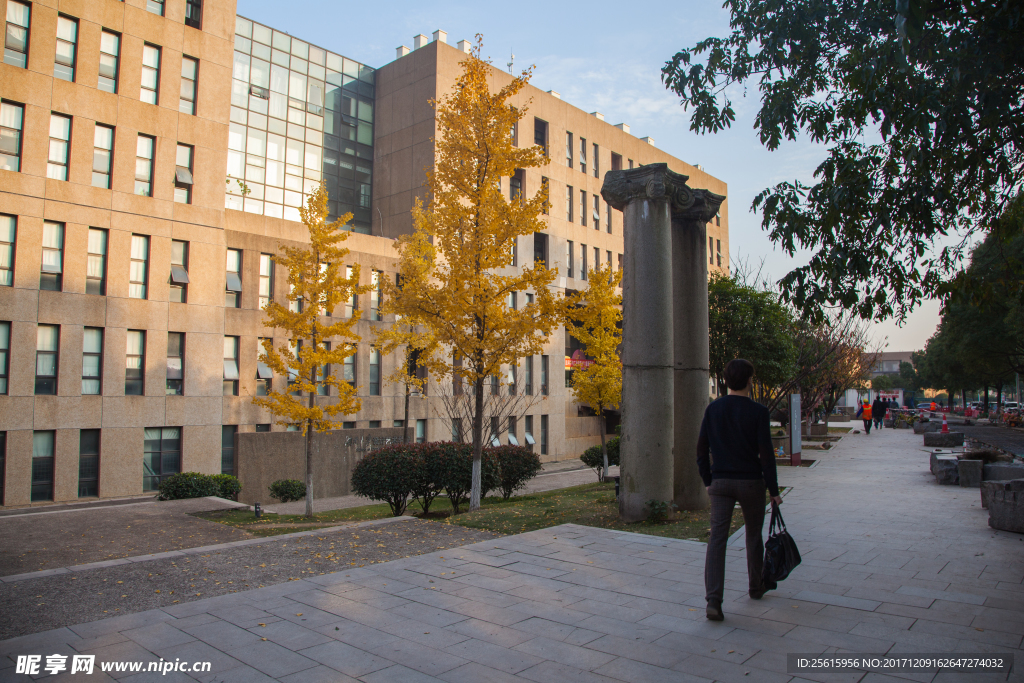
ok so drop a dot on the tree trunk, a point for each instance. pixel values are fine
(963, 393)
(604, 447)
(309, 452)
(405, 423)
(984, 408)
(478, 443)
(999, 397)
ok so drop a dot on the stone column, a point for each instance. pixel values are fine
(645, 195)
(690, 215)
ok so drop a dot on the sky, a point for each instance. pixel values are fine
(600, 56)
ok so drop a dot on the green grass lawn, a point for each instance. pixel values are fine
(589, 505)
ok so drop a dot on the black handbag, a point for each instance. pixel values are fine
(780, 553)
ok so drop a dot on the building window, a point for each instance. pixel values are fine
(16, 45)
(540, 248)
(718, 219)
(631, 163)
(718, 252)
(8, 232)
(492, 438)
(352, 305)
(540, 134)
(348, 425)
(597, 258)
(51, 273)
(231, 366)
(608, 256)
(608, 212)
(515, 186)
(144, 165)
(349, 367)
(162, 455)
(5, 351)
(375, 296)
(47, 345)
(583, 262)
(421, 431)
(543, 434)
(620, 262)
(183, 174)
(570, 258)
(583, 157)
(175, 364)
(596, 162)
(545, 190)
(60, 141)
(138, 276)
(711, 250)
(528, 375)
(194, 13)
(102, 156)
(264, 375)
(88, 463)
(568, 149)
(189, 78)
(374, 372)
(512, 439)
(597, 212)
(568, 203)
(544, 375)
(92, 361)
(263, 427)
(155, 6)
(96, 264)
(11, 117)
(227, 448)
(616, 162)
(42, 465)
(149, 92)
(67, 46)
(512, 380)
(179, 271)
(233, 281)
(110, 58)
(322, 373)
(293, 375)
(266, 279)
(583, 207)
(528, 432)
(135, 363)
(457, 429)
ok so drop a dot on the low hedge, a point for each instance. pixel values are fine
(228, 485)
(396, 474)
(189, 485)
(287, 490)
(592, 456)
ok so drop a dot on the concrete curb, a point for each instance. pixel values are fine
(194, 551)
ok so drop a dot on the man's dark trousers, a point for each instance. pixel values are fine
(750, 493)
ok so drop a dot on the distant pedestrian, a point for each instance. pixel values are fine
(865, 414)
(878, 412)
(737, 464)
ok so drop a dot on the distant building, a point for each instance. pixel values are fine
(888, 363)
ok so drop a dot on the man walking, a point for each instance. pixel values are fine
(736, 434)
(878, 412)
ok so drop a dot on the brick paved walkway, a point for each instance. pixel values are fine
(893, 564)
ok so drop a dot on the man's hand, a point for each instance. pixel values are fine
(777, 500)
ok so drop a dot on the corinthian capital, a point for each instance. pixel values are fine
(653, 181)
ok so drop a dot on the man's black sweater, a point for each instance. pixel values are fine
(737, 432)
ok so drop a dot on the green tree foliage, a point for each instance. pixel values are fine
(747, 322)
(919, 105)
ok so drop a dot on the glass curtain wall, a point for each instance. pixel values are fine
(299, 114)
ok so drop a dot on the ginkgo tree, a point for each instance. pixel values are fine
(456, 264)
(316, 286)
(595, 319)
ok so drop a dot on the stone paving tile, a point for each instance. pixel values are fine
(345, 658)
(553, 672)
(727, 672)
(272, 659)
(318, 674)
(477, 673)
(625, 669)
(494, 656)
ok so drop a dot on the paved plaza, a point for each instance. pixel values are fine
(893, 563)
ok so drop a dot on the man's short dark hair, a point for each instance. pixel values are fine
(738, 373)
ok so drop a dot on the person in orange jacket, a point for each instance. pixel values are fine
(865, 414)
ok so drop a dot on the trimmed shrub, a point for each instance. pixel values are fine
(389, 474)
(592, 456)
(188, 485)
(516, 466)
(432, 473)
(457, 466)
(287, 490)
(228, 485)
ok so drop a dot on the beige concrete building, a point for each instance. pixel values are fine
(132, 269)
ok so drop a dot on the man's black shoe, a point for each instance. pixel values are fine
(759, 593)
(714, 613)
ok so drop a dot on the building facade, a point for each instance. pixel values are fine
(153, 155)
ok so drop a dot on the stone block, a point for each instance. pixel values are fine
(987, 487)
(1003, 470)
(970, 473)
(1006, 506)
(940, 440)
(946, 471)
(925, 427)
